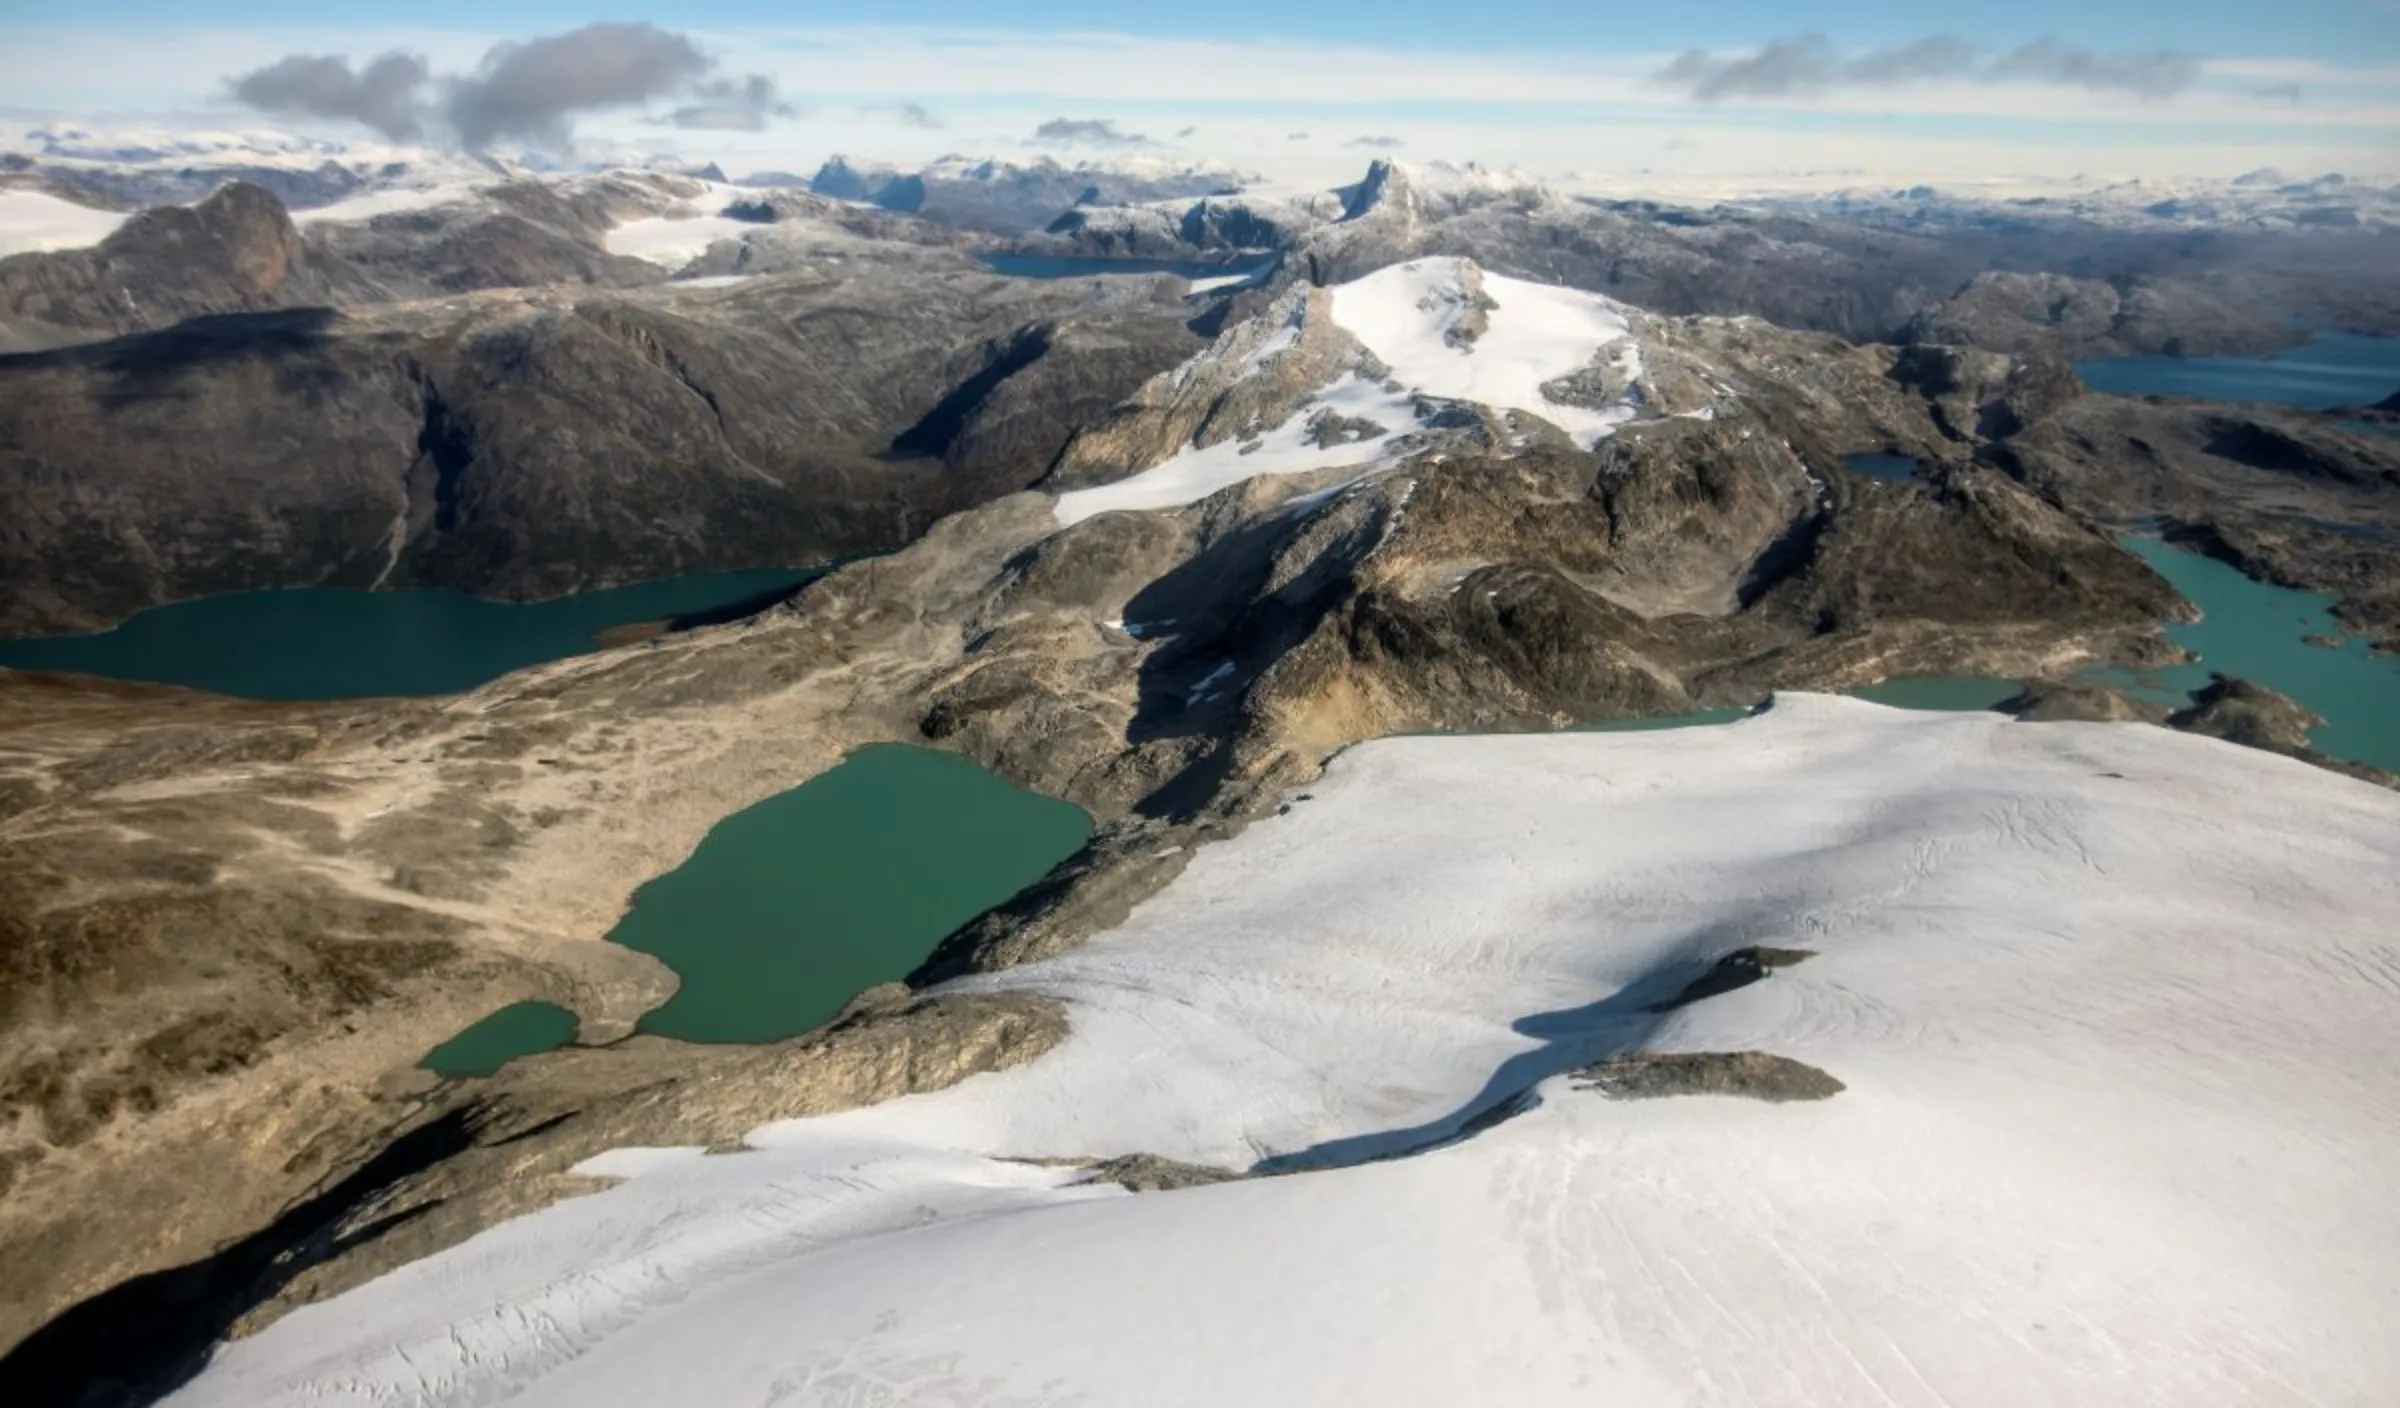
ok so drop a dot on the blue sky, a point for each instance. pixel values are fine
(1301, 89)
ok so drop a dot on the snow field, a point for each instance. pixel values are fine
(2123, 1068)
(33, 221)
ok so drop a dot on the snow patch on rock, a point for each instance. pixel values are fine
(1195, 472)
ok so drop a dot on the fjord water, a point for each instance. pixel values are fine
(793, 907)
(519, 1029)
(317, 643)
(2257, 632)
(2332, 369)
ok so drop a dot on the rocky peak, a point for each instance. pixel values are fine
(1385, 184)
(235, 252)
(840, 180)
(240, 235)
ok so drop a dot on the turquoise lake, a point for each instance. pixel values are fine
(327, 644)
(2254, 631)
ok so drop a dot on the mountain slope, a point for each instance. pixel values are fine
(526, 444)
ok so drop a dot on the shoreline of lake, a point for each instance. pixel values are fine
(330, 643)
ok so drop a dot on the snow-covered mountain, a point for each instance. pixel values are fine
(2078, 1088)
(131, 167)
(1363, 375)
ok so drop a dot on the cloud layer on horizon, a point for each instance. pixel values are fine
(528, 91)
(1808, 64)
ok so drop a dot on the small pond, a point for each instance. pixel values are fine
(1896, 469)
(519, 1029)
(322, 643)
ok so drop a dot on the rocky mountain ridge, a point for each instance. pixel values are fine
(2068, 284)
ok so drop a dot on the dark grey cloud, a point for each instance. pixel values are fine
(529, 92)
(2158, 73)
(1386, 143)
(1186, 132)
(1295, 136)
(1088, 132)
(383, 95)
(723, 105)
(1807, 64)
(918, 115)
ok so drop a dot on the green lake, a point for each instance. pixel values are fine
(2254, 631)
(330, 644)
(794, 906)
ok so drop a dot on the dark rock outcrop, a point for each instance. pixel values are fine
(1754, 1075)
(2252, 715)
(235, 252)
(2049, 701)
